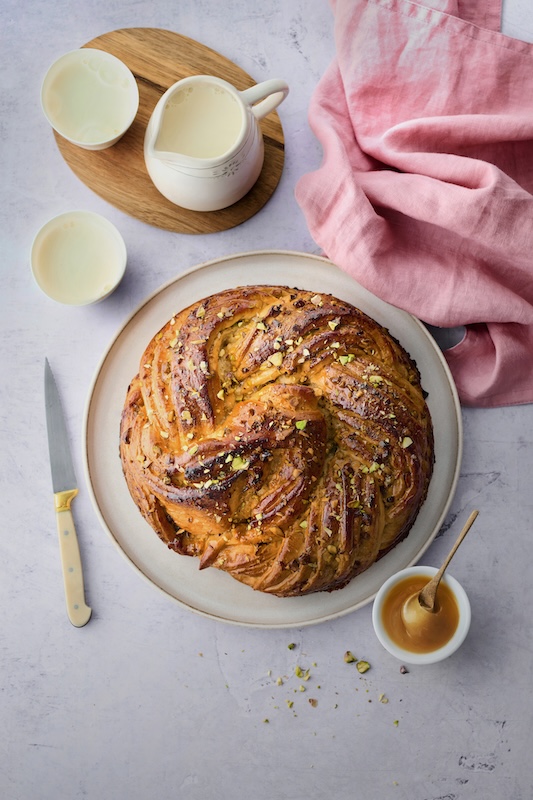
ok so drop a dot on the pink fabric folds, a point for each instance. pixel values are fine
(424, 194)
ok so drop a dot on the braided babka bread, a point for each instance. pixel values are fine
(279, 435)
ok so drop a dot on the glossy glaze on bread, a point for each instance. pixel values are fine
(279, 435)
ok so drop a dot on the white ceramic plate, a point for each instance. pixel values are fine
(211, 592)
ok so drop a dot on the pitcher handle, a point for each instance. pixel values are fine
(265, 97)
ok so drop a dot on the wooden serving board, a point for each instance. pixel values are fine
(159, 58)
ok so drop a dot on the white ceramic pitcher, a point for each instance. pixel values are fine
(203, 147)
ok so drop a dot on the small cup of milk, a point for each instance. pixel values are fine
(90, 98)
(78, 258)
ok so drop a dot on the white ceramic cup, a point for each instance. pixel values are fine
(203, 146)
(78, 258)
(451, 645)
(90, 98)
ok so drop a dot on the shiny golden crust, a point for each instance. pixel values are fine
(278, 435)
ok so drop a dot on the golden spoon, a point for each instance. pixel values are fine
(417, 605)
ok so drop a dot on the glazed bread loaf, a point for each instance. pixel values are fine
(279, 435)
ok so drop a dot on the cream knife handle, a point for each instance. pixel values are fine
(78, 612)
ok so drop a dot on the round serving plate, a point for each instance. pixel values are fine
(211, 592)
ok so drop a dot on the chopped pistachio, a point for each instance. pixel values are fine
(316, 300)
(362, 666)
(291, 646)
(383, 699)
(220, 394)
(289, 703)
(349, 657)
(301, 424)
(375, 379)
(193, 449)
(200, 312)
(303, 524)
(396, 723)
(406, 442)
(301, 688)
(261, 326)
(279, 681)
(239, 463)
(300, 673)
(186, 415)
(164, 434)
(334, 323)
(332, 549)
(276, 359)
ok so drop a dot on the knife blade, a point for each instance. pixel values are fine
(65, 490)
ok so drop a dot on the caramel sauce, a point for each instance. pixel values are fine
(436, 628)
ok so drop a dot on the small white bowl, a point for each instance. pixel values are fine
(90, 98)
(78, 258)
(441, 653)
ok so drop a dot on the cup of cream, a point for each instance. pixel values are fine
(78, 258)
(90, 98)
(438, 634)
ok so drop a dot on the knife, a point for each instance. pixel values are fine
(65, 489)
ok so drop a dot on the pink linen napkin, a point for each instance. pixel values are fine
(424, 194)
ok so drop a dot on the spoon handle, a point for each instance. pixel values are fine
(428, 593)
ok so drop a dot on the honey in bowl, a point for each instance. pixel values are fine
(436, 628)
